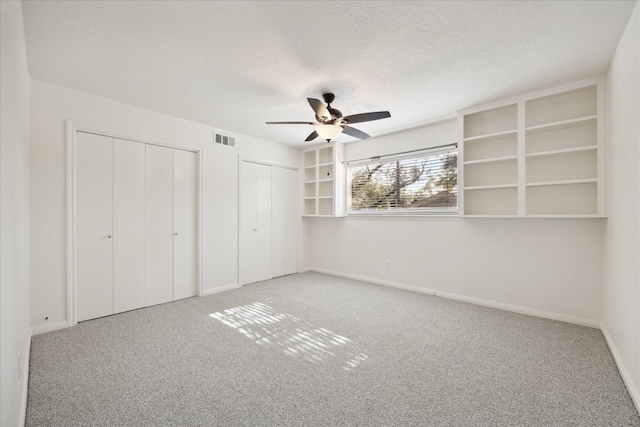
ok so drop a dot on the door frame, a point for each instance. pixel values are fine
(73, 127)
(298, 217)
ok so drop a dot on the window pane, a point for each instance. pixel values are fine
(427, 183)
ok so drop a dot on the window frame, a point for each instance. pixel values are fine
(449, 212)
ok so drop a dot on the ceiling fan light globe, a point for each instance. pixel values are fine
(328, 132)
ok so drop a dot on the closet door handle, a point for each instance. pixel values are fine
(108, 236)
(175, 234)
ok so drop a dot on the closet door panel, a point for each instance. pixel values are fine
(264, 205)
(159, 225)
(185, 241)
(279, 217)
(94, 191)
(292, 220)
(249, 223)
(128, 225)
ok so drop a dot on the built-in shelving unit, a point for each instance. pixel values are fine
(538, 155)
(322, 169)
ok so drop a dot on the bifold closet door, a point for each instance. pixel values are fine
(284, 241)
(94, 213)
(185, 228)
(255, 222)
(159, 225)
(128, 225)
(292, 221)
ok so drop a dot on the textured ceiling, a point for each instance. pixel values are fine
(234, 65)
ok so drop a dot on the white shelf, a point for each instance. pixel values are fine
(563, 151)
(322, 181)
(490, 135)
(564, 216)
(561, 124)
(492, 216)
(492, 160)
(490, 187)
(539, 155)
(563, 182)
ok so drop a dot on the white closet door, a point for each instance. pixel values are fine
(159, 225)
(279, 217)
(94, 191)
(249, 223)
(128, 225)
(292, 221)
(256, 223)
(264, 220)
(185, 228)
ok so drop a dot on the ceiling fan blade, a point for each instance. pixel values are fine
(366, 117)
(292, 123)
(321, 111)
(312, 136)
(354, 132)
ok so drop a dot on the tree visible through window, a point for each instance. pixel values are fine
(426, 183)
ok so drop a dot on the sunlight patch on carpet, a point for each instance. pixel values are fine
(294, 337)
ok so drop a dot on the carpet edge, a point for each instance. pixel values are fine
(626, 378)
(472, 300)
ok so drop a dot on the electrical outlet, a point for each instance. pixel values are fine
(19, 365)
(388, 264)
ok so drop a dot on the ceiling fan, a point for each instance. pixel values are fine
(330, 122)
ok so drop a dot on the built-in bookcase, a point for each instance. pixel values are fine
(539, 155)
(323, 181)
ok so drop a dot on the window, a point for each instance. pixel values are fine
(424, 182)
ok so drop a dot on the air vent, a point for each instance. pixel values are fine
(221, 139)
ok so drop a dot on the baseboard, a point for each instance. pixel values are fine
(472, 300)
(25, 382)
(628, 381)
(219, 289)
(48, 327)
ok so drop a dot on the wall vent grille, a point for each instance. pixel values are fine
(221, 139)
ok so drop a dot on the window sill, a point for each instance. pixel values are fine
(405, 217)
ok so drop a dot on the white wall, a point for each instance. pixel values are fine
(15, 331)
(552, 265)
(621, 285)
(50, 106)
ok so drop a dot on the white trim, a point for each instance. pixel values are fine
(26, 354)
(200, 232)
(73, 127)
(472, 300)
(219, 289)
(48, 327)
(624, 373)
(71, 222)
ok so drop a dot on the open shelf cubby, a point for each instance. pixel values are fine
(563, 166)
(560, 107)
(491, 147)
(574, 134)
(563, 199)
(493, 201)
(491, 173)
(491, 122)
